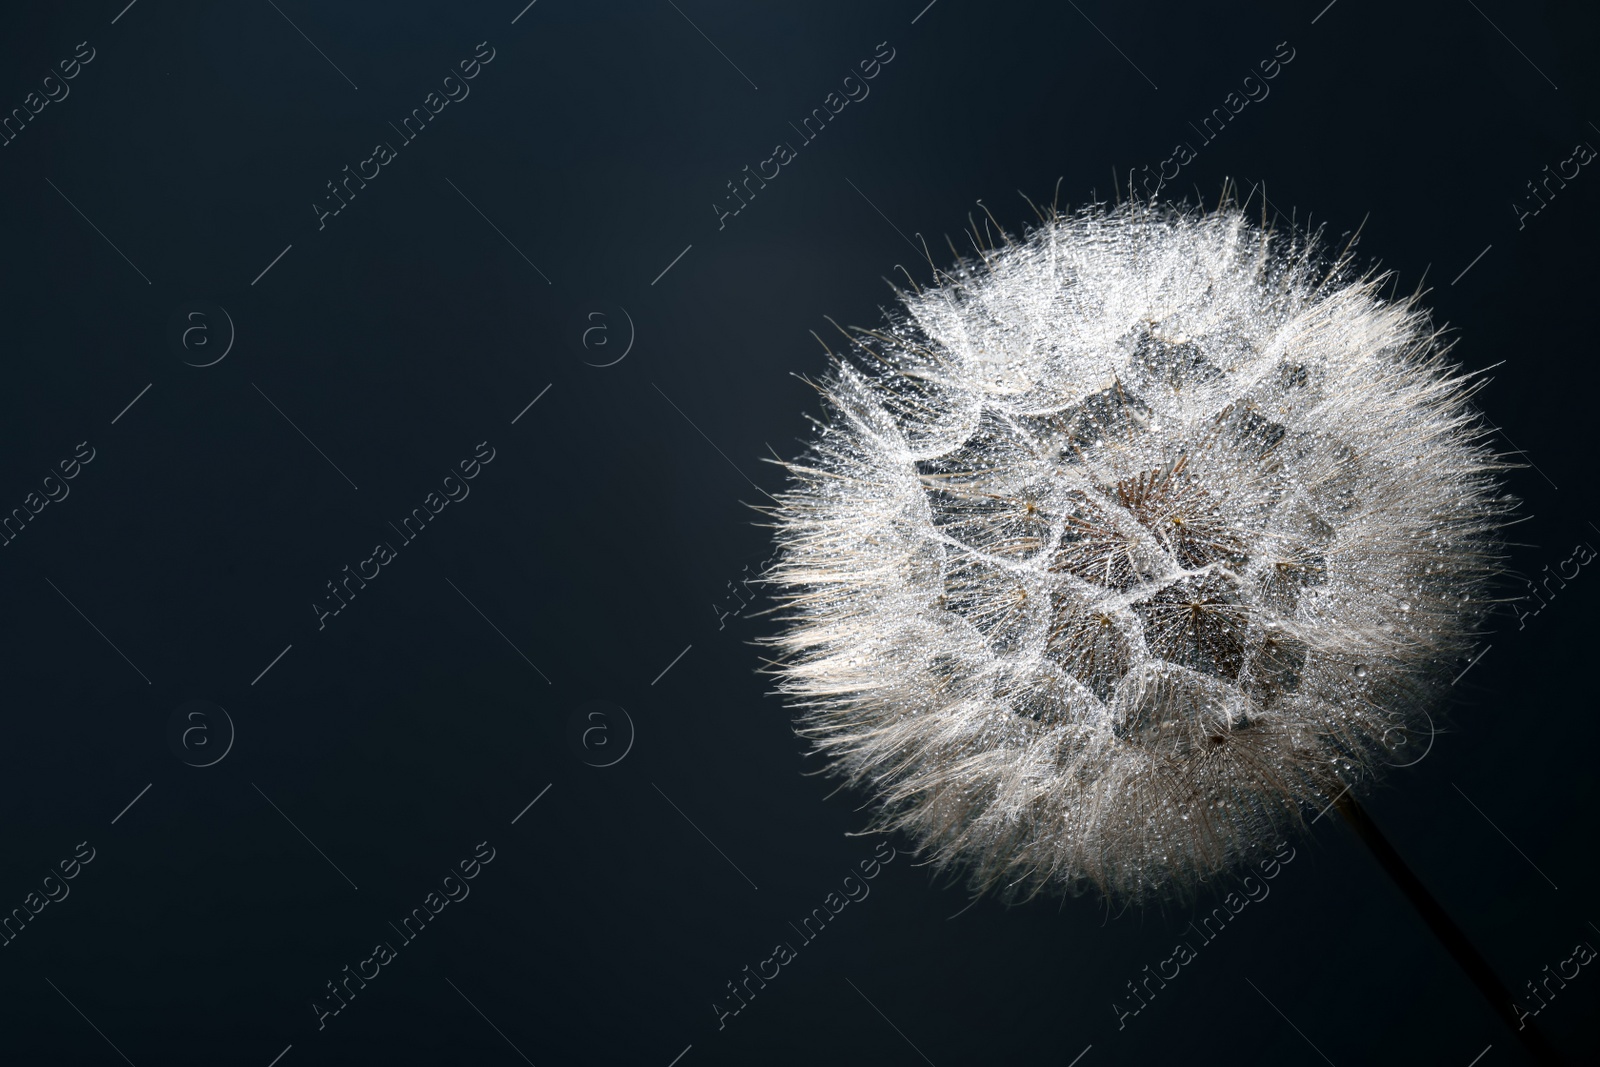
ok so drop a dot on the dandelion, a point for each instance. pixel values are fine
(1128, 544)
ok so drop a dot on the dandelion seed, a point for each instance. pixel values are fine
(1123, 547)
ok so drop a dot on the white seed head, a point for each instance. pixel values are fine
(1128, 545)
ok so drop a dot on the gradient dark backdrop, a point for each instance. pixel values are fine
(602, 539)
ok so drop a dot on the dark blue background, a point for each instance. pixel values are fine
(602, 538)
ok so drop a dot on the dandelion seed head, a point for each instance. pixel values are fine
(1128, 543)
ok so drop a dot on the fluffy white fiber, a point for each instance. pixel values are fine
(1127, 546)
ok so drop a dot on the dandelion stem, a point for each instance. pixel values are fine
(1466, 955)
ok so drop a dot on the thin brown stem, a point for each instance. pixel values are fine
(1455, 942)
